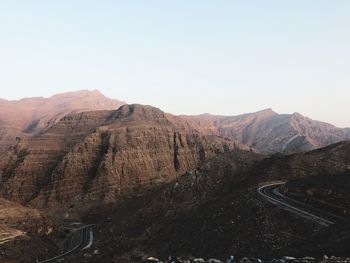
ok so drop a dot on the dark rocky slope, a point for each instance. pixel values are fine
(25, 233)
(328, 186)
(216, 211)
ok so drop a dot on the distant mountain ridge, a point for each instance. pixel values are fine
(270, 132)
(265, 131)
(20, 118)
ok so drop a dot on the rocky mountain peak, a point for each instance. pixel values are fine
(138, 112)
(267, 110)
(266, 113)
(297, 116)
(79, 93)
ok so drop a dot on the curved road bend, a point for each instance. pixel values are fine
(272, 194)
(85, 242)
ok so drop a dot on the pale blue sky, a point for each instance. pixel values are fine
(184, 56)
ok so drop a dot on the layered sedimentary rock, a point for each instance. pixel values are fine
(98, 156)
(9, 136)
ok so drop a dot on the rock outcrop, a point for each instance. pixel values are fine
(98, 156)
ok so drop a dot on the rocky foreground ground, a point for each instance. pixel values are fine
(285, 259)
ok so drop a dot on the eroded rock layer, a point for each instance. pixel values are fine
(97, 156)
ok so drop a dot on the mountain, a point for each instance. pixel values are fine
(215, 211)
(266, 131)
(97, 156)
(154, 185)
(269, 132)
(24, 117)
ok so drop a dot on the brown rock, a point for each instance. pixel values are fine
(91, 157)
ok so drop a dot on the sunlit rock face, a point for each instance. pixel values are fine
(29, 116)
(98, 156)
(269, 132)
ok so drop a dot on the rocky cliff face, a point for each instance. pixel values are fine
(34, 115)
(98, 156)
(269, 132)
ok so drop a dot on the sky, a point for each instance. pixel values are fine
(183, 56)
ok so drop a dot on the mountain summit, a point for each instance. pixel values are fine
(20, 118)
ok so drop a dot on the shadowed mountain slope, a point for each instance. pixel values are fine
(216, 210)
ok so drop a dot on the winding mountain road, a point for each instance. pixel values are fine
(272, 194)
(85, 241)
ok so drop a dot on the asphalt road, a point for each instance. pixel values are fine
(272, 194)
(86, 239)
